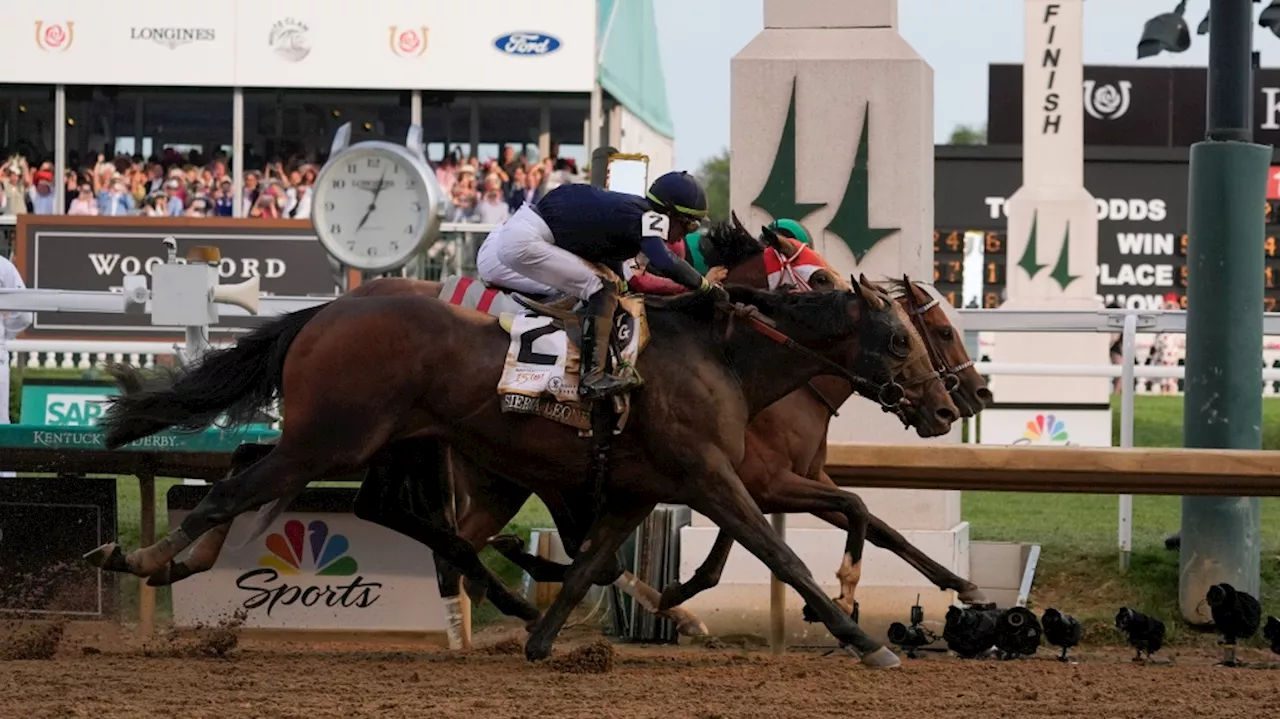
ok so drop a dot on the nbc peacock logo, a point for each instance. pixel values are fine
(1045, 428)
(300, 550)
(327, 555)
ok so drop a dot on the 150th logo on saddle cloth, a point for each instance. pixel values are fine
(543, 364)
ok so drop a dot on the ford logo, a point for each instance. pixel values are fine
(527, 43)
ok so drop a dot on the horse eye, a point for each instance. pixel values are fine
(945, 334)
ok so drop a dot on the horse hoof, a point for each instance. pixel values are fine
(506, 544)
(672, 596)
(882, 658)
(972, 596)
(536, 652)
(109, 557)
(692, 627)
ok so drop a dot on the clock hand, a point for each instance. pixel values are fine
(373, 203)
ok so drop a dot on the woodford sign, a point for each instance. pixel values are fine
(96, 253)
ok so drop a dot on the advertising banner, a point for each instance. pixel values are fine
(64, 403)
(1046, 425)
(495, 45)
(95, 253)
(1134, 106)
(318, 567)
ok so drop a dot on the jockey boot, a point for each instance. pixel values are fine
(597, 329)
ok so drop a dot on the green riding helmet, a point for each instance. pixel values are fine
(791, 229)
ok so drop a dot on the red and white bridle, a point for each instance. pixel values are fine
(794, 270)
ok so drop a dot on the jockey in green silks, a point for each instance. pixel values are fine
(688, 248)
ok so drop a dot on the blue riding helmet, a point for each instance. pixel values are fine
(679, 192)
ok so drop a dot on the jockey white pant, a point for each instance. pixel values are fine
(520, 255)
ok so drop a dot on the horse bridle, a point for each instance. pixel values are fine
(890, 395)
(950, 375)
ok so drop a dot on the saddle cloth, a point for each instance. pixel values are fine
(473, 294)
(544, 362)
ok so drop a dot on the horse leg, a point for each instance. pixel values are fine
(281, 472)
(512, 548)
(607, 534)
(204, 553)
(390, 502)
(724, 499)
(885, 537)
(706, 576)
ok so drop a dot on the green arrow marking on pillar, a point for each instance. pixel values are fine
(1028, 262)
(852, 221)
(778, 196)
(1061, 271)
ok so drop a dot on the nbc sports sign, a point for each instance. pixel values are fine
(1046, 425)
(317, 568)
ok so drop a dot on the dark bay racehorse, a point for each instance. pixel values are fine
(705, 378)
(486, 504)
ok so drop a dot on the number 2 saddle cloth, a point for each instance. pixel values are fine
(543, 363)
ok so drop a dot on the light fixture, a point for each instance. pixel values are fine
(1167, 32)
(1270, 17)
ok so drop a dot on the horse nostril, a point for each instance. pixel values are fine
(945, 415)
(985, 396)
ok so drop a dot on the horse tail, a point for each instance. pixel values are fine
(238, 381)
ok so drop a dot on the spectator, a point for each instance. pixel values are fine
(13, 187)
(42, 194)
(156, 205)
(251, 189)
(223, 198)
(446, 173)
(464, 194)
(116, 201)
(492, 208)
(173, 196)
(82, 202)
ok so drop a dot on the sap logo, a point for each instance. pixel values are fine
(73, 410)
(527, 43)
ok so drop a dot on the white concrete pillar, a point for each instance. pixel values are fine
(832, 125)
(1053, 238)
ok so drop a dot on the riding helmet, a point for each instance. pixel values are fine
(679, 192)
(792, 229)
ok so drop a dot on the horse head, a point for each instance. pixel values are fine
(791, 263)
(945, 345)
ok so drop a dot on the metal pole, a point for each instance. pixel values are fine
(1128, 337)
(1223, 407)
(415, 108)
(778, 597)
(59, 150)
(237, 152)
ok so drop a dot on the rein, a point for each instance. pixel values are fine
(889, 394)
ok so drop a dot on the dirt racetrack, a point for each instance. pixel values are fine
(99, 673)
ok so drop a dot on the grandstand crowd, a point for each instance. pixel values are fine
(172, 185)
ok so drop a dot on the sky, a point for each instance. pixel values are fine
(957, 38)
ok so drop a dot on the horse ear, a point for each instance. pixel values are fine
(737, 224)
(770, 237)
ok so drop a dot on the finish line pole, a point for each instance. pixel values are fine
(1222, 408)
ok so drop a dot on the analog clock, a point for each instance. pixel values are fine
(374, 205)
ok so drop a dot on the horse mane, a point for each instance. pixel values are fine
(818, 315)
(730, 246)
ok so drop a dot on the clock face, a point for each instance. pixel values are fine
(371, 208)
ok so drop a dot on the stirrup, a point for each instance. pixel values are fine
(602, 386)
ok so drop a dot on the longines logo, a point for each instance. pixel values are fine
(1106, 102)
(173, 37)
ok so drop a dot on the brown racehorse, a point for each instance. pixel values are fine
(786, 451)
(684, 438)
(490, 503)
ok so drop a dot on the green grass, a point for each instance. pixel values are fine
(1078, 570)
